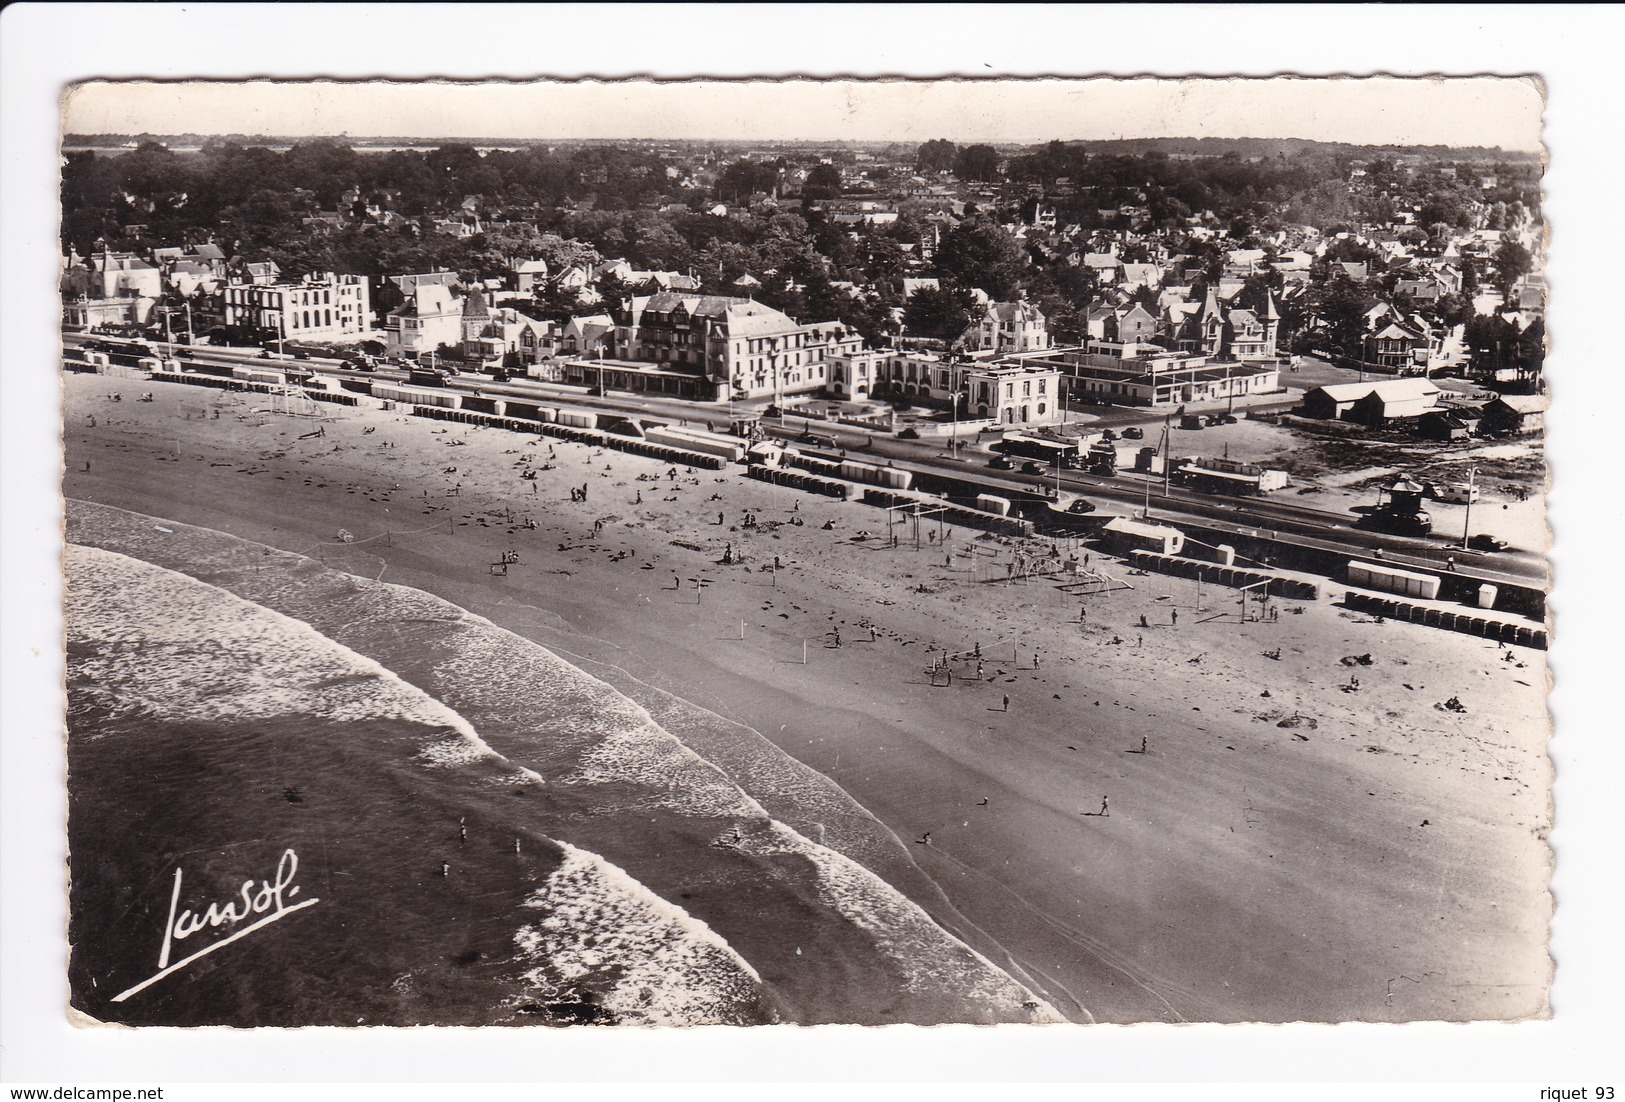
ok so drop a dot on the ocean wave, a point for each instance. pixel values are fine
(650, 961)
(145, 637)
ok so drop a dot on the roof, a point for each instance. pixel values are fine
(1394, 329)
(1140, 528)
(1522, 403)
(1387, 390)
(1013, 311)
(427, 299)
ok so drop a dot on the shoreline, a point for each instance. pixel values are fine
(1242, 873)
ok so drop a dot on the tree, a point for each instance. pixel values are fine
(740, 180)
(935, 156)
(1338, 306)
(1512, 262)
(939, 313)
(977, 162)
(554, 302)
(823, 182)
(978, 253)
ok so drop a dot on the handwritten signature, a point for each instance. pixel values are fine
(270, 899)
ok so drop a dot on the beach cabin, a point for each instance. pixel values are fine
(1123, 535)
(1392, 579)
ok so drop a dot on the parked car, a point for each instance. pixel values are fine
(1001, 463)
(817, 441)
(1081, 506)
(1033, 466)
(1190, 421)
(910, 433)
(1134, 432)
(1485, 542)
(1222, 419)
(1108, 434)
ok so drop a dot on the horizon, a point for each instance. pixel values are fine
(1472, 112)
(428, 139)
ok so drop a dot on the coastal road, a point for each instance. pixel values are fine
(1255, 517)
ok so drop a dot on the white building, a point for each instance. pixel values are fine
(1023, 393)
(430, 317)
(1007, 327)
(320, 307)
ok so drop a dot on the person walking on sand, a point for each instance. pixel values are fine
(1105, 808)
(1007, 702)
(1175, 613)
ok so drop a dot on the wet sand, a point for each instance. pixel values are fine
(1377, 858)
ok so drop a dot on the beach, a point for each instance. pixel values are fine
(1195, 820)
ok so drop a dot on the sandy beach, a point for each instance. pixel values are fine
(1194, 820)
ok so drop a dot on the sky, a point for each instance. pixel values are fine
(1488, 111)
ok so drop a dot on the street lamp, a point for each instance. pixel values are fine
(1467, 519)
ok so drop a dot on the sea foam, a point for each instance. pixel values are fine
(668, 967)
(138, 626)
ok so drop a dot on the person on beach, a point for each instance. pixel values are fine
(1105, 808)
(1007, 702)
(1175, 614)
